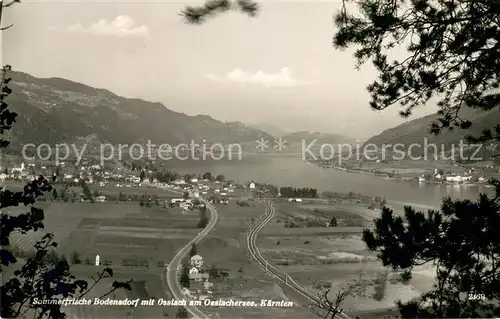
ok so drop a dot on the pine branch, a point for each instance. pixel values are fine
(199, 15)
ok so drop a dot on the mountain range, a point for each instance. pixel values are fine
(56, 110)
(307, 136)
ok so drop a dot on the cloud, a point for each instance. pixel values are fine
(121, 26)
(283, 78)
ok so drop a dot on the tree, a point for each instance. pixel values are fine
(182, 313)
(87, 193)
(95, 193)
(221, 178)
(193, 251)
(37, 276)
(333, 222)
(64, 195)
(211, 8)
(452, 46)
(73, 196)
(207, 175)
(213, 272)
(184, 279)
(122, 197)
(185, 195)
(54, 194)
(452, 55)
(75, 258)
(460, 240)
(328, 307)
(202, 223)
(142, 175)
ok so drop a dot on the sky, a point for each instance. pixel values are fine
(277, 68)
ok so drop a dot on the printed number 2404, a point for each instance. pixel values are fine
(476, 297)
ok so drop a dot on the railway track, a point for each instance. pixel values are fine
(279, 275)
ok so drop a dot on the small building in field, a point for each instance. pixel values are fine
(196, 274)
(101, 199)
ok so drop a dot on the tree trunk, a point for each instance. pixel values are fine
(1, 7)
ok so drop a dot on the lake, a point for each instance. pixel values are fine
(290, 169)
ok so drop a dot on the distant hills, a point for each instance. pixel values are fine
(308, 137)
(269, 128)
(321, 138)
(416, 130)
(56, 110)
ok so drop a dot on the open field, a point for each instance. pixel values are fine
(325, 211)
(14, 185)
(280, 231)
(336, 257)
(147, 285)
(142, 238)
(105, 190)
(113, 190)
(225, 248)
(407, 167)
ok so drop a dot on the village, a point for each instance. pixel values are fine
(215, 190)
(199, 284)
(439, 176)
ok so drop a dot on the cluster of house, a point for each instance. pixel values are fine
(457, 179)
(21, 172)
(203, 186)
(218, 193)
(198, 273)
(90, 174)
(184, 203)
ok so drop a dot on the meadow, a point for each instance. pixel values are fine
(134, 241)
(320, 258)
(225, 248)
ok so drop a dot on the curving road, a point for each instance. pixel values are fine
(172, 270)
(280, 276)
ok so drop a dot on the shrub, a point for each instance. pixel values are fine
(75, 258)
(380, 286)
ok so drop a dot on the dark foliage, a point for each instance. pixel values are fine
(203, 222)
(184, 278)
(453, 49)
(182, 313)
(43, 275)
(166, 176)
(290, 192)
(460, 240)
(193, 251)
(333, 222)
(212, 8)
(208, 176)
